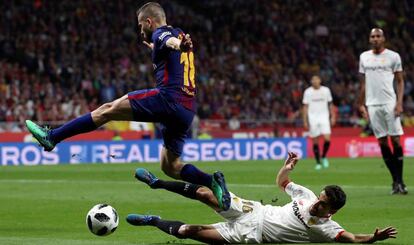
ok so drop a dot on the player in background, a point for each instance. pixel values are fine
(317, 102)
(378, 67)
(307, 218)
(171, 103)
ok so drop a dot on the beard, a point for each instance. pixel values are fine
(146, 35)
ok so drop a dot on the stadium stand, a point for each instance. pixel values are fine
(60, 59)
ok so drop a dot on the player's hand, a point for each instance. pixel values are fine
(389, 232)
(149, 45)
(364, 112)
(398, 109)
(291, 161)
(186, 43)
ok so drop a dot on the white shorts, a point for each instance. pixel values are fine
(244, 221)
(319, 127)
(383, 120)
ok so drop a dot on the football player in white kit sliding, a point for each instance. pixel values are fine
(307, 218)
(317, 107)
(378, 68)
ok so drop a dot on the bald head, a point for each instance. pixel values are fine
(377, 30)
(151, 10)
(377, 40)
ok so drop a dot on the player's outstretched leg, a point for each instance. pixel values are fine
(203, 233)
(188, 190)
(172, 165)
(119, 109)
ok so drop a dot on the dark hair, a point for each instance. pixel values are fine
(152, 9)
(336, 196)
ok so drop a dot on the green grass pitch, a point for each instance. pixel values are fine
(48, 204)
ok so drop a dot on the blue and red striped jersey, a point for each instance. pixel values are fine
(174, 70)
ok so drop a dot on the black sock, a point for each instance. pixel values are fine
(398, 161)
(167, 226)
(325, 148)
(185, 189)
(316, 153)
(389, 161)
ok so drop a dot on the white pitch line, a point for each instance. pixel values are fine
(100, 182)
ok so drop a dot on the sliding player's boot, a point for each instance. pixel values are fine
(140, 220)
(41, 134)
(219, 188)
(145, 176)
(318, 167)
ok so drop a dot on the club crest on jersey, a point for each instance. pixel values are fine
(312, 221)
(163, 35)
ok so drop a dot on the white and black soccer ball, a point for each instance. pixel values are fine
(102, 220)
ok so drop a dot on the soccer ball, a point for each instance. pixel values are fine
(102, 220)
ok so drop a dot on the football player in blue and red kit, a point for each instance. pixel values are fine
(171, 103)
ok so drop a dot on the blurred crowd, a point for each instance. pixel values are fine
(254, 59)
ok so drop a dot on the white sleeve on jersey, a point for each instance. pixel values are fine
(297, 191)
(329, 231)
(329, 95)
(361, 65)
(306, 98)
(397, 65)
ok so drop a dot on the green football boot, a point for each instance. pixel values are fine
(41, 134)
(219, 188)
(325, 162)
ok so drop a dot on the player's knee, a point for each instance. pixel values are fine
(395, 141)
(383, 142)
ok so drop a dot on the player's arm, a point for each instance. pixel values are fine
(282, 178)
(379, 235)
(184, 44)
(305, 116)
(400, 92)
(361, 99)
(332, 112)
(166, 39)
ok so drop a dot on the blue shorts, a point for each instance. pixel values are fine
(152, 105)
